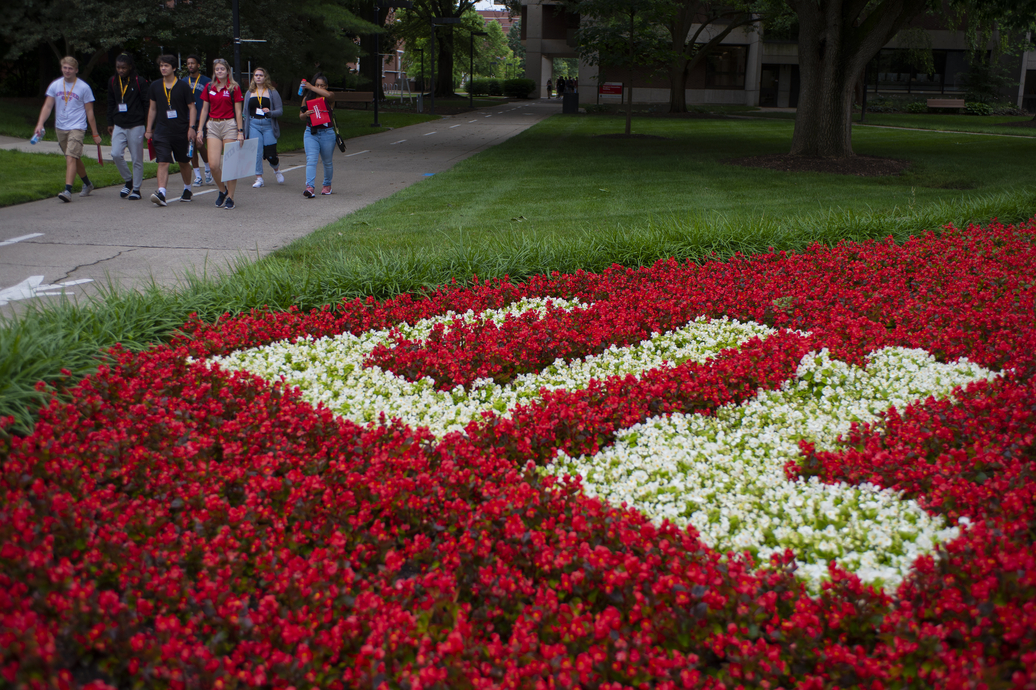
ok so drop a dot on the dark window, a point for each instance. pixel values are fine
(725, 67)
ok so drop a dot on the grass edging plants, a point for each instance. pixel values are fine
(59, 342)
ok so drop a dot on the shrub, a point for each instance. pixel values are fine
(495, 89)
(916, 107)
(479, 87)
(519, 88)
(976, 108)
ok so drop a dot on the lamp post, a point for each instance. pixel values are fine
(471, 66)
(435, 21)
(408, 4)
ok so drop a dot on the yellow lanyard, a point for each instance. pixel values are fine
(194, 86)
(123, 98)
(68, 94)
(259, 95)
(168, 94)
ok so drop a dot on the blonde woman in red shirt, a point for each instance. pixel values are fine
(221, 108)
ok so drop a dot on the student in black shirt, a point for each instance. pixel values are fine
(171, 120)
(127, 119)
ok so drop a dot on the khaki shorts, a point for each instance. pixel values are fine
(71, 142)
(221, 129)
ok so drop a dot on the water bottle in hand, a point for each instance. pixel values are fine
(190, 150)
(302, 87)
(36, 136)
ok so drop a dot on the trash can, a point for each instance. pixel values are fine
(570, 104)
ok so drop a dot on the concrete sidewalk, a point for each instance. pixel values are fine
(48, 246)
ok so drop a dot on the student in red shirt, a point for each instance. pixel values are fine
(221, 109)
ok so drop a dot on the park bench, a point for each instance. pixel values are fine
(365, 97)
(955, 103)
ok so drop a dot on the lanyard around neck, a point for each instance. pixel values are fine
(68, 94)
(123, 97)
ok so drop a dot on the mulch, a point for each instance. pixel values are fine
(859, 166)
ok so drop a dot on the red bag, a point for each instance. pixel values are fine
(321, 116)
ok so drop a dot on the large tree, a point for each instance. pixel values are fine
(837, 38)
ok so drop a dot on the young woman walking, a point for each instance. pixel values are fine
(264, 106)
(319, 138)
(221, 110)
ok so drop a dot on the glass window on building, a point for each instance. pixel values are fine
(725, 67)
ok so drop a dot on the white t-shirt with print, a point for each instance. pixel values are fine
(70, 103)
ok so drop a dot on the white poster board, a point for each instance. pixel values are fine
(239, 159)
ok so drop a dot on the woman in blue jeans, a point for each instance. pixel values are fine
(263, 106)
(319, 138)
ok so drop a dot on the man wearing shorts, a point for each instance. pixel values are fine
(170, 127)
(127, 118)
(197, 81)
(72, 101)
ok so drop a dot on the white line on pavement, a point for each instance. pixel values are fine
(453, 126)
(470, 121)
(397, 142)
(19, 239)
(357, 153)
(294, 167)
(428, 134)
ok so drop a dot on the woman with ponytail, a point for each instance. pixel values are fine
(221, 110)
(264, 106)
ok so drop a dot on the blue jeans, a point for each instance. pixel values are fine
(261, 128)
(320, 145)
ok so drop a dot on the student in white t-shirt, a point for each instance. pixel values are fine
(72, 101)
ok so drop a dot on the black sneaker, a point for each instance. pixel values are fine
(221, 199)
(125, 192)
(134, 195)
(158, 198)
(229, 204)
(186, 196)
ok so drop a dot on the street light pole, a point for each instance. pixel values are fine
(237, 41)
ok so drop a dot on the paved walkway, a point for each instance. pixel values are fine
(48, 246)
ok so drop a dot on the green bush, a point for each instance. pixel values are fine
(479, 87)
(519, 88)
(917, 107)
(976, 108)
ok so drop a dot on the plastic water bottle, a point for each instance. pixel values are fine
(302, 87)
(36, 137)
(190, 150)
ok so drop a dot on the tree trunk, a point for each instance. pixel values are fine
(444, 64)
(837, 38)
(678, 86)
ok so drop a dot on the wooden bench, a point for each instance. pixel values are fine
(365, 97)
(955, 103)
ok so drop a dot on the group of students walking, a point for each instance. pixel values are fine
(184, 119)
(563, 85)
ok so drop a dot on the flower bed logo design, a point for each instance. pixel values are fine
(723, 474)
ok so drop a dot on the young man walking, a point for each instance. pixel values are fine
(197, 81)
(72, 101)
(127, 118)
(171, 120)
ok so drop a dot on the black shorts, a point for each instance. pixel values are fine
(171, 148)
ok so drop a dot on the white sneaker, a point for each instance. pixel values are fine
(208, 179)
(197, 180)
(258, 183)
(279, 176)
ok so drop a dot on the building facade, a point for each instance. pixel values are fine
(750, 69)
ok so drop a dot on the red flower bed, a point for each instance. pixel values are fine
(177, 526)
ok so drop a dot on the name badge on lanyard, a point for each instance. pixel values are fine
(123, 107)
(171, 113)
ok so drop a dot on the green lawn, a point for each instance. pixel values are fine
(992, 124)
(31, 176)
(554, 198)
(559, 181)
